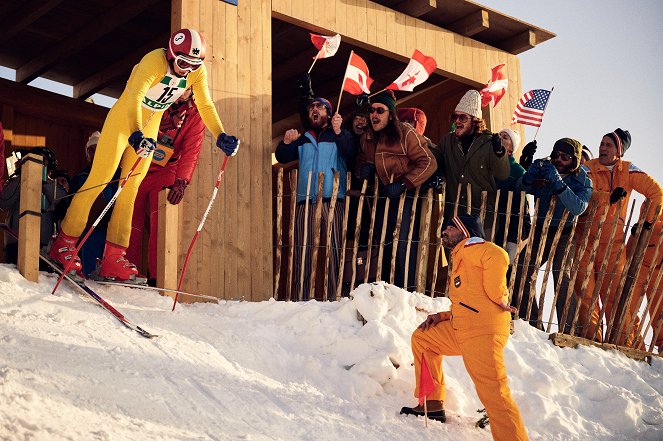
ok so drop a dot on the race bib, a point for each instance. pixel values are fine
(165, 93)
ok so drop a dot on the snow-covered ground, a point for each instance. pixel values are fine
(282, 371)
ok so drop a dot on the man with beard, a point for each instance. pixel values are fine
(476, 328)
(324, 148)
(474, 156)
(402, 160)
(559, 176)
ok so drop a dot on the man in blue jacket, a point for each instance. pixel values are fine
(324, 147)
(560, 176)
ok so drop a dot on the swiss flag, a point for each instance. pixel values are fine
(356, 78)
(496, 87)
(327, 46)
(426, 382)
(417, 71)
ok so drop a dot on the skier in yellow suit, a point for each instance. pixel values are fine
(477, 328)
(129, 131)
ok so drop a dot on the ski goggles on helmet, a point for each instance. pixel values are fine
(187, 64)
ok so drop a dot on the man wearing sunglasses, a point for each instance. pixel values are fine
(324, 147)
(474, 156)
(130, 132)
(562, 177)
(402, 161)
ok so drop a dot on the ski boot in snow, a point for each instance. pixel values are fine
(115, 267)
(61, 250)
(435, 410)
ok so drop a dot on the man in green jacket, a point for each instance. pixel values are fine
(473, 156)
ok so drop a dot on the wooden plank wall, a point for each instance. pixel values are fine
(233, 256)
(380, 29)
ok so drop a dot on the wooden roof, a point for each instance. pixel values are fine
(92, 45)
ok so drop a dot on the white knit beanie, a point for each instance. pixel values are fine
(515, 139)
(93, 139)
(470, 103)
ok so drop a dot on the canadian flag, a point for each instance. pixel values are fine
(327, 46)
(417, 71)
(356, 78)
(496, 87)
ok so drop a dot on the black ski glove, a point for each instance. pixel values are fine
(527, 155)
(617, 194)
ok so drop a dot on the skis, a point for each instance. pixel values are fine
(86, 290)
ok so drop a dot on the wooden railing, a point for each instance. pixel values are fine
(359, 249)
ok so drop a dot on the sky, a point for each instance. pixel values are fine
(606, 68)
(283, 371)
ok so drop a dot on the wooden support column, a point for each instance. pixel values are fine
(30, 217)
(167, 245)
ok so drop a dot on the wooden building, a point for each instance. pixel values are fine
(255, 52)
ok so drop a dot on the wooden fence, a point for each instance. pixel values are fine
(362, 245)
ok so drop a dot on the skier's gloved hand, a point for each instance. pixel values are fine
(434, 182)
(367, 172)
(527, 155)
(176, 192)
(555, 181)
(143, 146)
(228, 144)
(617, 194)
(394, 190)
(535, 172)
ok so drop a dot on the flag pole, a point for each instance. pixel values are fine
(425, 410)
(544, 111)
(378, 92)
(345, 75)
(314, 60)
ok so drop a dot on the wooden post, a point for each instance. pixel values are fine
(29, 222)
(291, 234)
(519, 245)
(383, 233)
(495, 213)
(413, 215)
(394, 244)
(424, 242)
(355, 247)
(330, 222)
(315, 234)
(566, 261)
(339, 285)
(279, 230)
(304, 242)
(482, 210)
(549, 267)
(167, 244)
(374, 209)
(528, 254)
(438, 242)
(531, 295)
(509, 203)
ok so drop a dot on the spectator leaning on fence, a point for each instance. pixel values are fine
(511, 142)
(562, 177)
(614, 180)
(324, 148)
(402, 161)
(471, 155)
(477, 329)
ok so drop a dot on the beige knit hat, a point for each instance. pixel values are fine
(470, 103)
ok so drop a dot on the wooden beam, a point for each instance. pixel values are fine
(520, 43)
(417, 8)
(25, 16)
(29, 222)
(570, 341)
(428, 91)
(167, 249)
(472, 24)
(93, 84)
(74, 43)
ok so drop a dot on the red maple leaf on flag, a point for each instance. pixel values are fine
(496, 87)
(426, 383)
(416, 72)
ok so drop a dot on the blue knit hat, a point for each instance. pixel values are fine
(468, 224)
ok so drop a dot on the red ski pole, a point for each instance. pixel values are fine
(200, 227)
(108, 206)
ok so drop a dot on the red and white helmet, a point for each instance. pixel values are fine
(186, 49)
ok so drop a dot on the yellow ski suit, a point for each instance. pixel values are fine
(151, 89)
(629, 177)
(478, 331)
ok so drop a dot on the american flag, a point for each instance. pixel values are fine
(530, 108)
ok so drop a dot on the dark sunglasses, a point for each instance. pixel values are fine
(459, 117)
(379, 110)
(557, 154)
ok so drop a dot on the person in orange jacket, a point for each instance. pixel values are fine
(614, 179)
(477, 328)
(654, 298)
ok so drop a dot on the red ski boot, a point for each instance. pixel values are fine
(116, 268)
(61, 252)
